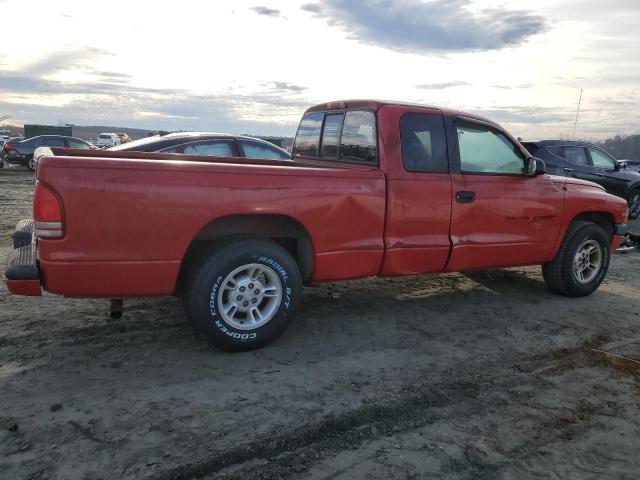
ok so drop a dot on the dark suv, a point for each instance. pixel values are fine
(589, 162)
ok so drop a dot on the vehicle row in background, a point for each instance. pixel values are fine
(589, 162)
(198, 143)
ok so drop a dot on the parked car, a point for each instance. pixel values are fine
(124, 138)
(632, 164)
(373, 189)
(200, 143)
(46, 150)
(589, 162)
(2, 152)
(107, 140)
(21, 152)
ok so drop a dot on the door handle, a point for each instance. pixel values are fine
(568, 170)
(465, 197)
(600, 174)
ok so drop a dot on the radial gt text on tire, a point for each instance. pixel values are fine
(582, 261)
(243, 294)
(634, 204)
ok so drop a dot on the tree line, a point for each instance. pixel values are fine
(623, 146)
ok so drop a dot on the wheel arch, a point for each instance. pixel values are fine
(283, 229)
(603, 219)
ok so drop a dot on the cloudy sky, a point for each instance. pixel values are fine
(254, 66)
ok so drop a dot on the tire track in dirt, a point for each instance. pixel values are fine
(290, 454)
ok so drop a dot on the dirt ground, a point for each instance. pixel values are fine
(483, 375)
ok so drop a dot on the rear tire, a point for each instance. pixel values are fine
(634, 203)
(243, 293)
(581, 263)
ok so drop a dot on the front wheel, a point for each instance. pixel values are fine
(634, 203)
(243, 294)
(31, 163)
(581, 262)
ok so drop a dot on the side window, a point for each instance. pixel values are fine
(260, 150)
(54, 142)
(331, 135)
(358, 141)
(307, 141)
(73, 143)
(484, 150)
(600, 160)
(216, 148)
(423, 142)
(576, 155)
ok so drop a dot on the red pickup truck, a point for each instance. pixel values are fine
(372, 189)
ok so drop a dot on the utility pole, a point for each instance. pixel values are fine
(577, 112)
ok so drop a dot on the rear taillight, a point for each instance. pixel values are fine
(8, 146)
(47, 213)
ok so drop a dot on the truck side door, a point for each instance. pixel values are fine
(418, 190)
(500, 216)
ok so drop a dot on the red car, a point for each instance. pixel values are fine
(373, 189)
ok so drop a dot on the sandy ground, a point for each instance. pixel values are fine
(484, 375)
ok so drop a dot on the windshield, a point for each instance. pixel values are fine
(136, 143)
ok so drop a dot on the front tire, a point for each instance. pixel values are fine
(243, 294)
(581, 262)
(634, 203)
(31, 163)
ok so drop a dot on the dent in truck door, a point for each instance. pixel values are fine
(499, 215)
(418, 192)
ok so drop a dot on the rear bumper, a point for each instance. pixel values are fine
(16, 159)
(22, 272)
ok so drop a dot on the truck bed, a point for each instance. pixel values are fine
(130, 220)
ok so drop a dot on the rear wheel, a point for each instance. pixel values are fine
(634, 204)
(31, 163)
(581, 262)
(243, 294)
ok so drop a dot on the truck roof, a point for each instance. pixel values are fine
(376, 104)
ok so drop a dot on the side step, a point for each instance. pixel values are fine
(21, 264)
(23, 234)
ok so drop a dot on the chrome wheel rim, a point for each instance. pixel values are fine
(587, 261)
(634, 205)
(32, 163)
(249, 296)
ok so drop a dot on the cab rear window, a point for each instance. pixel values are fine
(349, 136)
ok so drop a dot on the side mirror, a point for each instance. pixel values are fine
(534, 166)
(620, 164)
